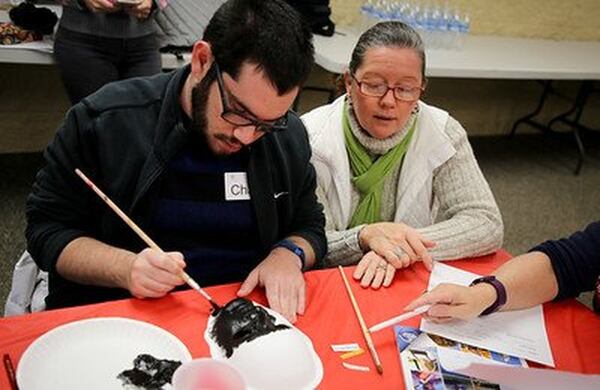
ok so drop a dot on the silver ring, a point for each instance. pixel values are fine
(399, 251)
(382, 266)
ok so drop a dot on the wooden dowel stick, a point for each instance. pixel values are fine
(363, 326)
(187, 278)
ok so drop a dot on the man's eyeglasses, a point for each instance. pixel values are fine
(241, 119)
(406, 94)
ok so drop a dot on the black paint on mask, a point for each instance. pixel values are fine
(241, 321)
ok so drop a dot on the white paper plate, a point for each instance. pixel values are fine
(89, 354)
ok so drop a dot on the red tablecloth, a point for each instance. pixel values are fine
(574, 331)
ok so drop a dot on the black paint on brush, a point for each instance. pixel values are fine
(241, 321)
(216, 308)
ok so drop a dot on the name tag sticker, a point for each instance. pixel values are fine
(236, 186)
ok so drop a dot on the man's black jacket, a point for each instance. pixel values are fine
(122, 137)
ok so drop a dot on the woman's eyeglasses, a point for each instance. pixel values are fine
(403, 93)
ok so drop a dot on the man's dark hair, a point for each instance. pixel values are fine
(268, 33)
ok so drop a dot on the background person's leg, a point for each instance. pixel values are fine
(140, 57)
(86, 62)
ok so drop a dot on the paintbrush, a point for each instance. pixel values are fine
(187, 278)
(363, 326)
(10, 372)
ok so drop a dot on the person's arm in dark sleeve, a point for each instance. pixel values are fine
(575, 260)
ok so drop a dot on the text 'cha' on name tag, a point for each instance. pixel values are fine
(236, 186)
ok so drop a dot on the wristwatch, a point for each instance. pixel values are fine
(289, 244)
(500, 293)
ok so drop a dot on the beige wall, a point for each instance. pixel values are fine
(552, 19)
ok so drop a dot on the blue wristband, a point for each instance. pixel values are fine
(289, 245)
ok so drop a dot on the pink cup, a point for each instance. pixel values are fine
(208, 374)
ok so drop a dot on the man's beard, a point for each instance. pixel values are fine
(200, 94)
(199, 118)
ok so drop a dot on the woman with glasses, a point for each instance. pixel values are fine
(397, 177)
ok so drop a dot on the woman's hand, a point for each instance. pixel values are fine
(102, 6)
(374, 270)
(140, 10)
(399, 244)
(451, 301)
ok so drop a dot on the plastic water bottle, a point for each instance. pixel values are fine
(464, 28)
(440, 25)
(445, 27)
(446, 37)
(410, 13)
(435, 27)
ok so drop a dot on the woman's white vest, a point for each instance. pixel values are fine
(429, 149)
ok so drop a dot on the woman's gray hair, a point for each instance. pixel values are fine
(388, 34)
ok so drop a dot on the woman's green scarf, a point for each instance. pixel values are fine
(369, 175)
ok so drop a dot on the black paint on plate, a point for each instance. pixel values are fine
(149, 372)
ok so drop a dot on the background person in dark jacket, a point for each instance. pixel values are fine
(206, 159)
(552, 270)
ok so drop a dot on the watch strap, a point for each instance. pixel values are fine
(500, 293)
(291, 246)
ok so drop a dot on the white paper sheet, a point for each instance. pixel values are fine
(520, 333)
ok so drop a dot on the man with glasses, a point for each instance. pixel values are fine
(397, 177)
(207, 160)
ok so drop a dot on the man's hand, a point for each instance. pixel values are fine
(153, 274)
(399, 244)
(140, 10)
(375, 271)
(283, 281)
(452, 301)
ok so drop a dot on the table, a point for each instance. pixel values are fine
(40, 52)
(485, 57)
(329, 319)
(491, 57)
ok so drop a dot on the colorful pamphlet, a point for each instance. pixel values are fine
(423, 369)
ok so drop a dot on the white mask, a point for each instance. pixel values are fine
(269, 351)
